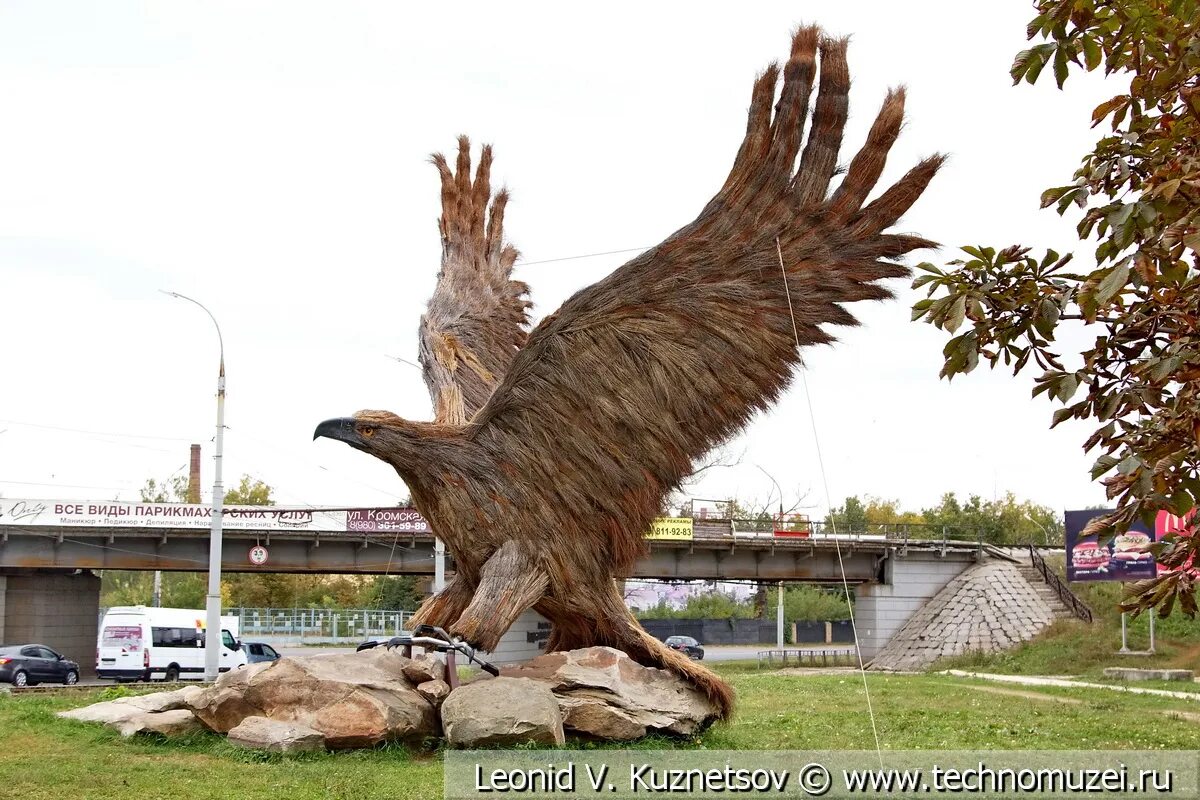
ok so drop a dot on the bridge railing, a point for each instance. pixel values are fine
(1079, 608)
(896, 533)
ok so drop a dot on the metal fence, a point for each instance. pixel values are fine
(318, 624)
(312, 625)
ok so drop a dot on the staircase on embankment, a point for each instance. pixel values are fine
(994, 605)
(1044, 590)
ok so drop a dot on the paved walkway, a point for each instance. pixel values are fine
(1035, 680)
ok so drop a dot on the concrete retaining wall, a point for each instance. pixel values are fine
(910, 581)
(55, 609)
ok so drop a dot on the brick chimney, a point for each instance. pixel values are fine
(193, 495)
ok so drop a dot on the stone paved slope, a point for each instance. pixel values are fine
(989, 607)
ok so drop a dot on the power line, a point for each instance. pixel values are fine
(585, 255)
(294, 454)
(93, 433)
(67, 485)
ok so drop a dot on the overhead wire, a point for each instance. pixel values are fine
(93, 433)
(585, 255)
(65, 485)
(828, 504)
(294, 454)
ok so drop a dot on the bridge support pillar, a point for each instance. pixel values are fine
(57, 608)
(882, 609)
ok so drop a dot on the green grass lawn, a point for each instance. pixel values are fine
(1072, 647)
(44, 757)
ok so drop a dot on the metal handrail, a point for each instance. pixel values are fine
(798, 656)
(1070, 599)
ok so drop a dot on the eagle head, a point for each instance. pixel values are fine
(411, 448)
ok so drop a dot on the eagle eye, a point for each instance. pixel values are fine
(366, 431)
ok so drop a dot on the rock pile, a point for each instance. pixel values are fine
(362, 699)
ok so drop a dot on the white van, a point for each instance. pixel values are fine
(141, 643)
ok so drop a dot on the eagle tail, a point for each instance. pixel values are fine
(608, 622)
(649, 651)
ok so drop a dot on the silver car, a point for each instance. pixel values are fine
(259, 651)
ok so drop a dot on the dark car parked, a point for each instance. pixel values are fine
(31, 664)
(259, 651)
(686, 645)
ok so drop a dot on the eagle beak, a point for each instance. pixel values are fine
(341, 429)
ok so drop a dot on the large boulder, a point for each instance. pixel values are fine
(175, 722)
(502, 711)
(604, 693)
(260, 733)
(222, 706)
(424, 668)
(352, 699)
(435, 691)
(127, 708)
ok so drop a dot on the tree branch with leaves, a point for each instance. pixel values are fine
(1139, 193)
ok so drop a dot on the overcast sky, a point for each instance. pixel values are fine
(271, 161)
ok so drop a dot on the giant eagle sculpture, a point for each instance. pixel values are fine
(552, 450)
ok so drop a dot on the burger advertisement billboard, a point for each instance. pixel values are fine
(1125, 558)
(1168, 524)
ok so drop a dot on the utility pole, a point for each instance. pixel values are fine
(439, 565)
(779, 619)
(212, 633)
(193, 497)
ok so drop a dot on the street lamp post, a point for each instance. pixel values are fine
(1045, 533)
(212, 635)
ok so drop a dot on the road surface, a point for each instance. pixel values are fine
(714, 653)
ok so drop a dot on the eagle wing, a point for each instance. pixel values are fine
(616, 394)
(478, 317)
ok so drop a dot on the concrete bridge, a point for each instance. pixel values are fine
(714, 553)
(48, 592)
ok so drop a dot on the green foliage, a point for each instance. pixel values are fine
(1003, 521)
(808, 604)
(1139, 193)
(873, 515)
(249, 493)
(851, 516)
(392, 592)
(180, 589)
(715, 605)
(751, 516)
(801, 603)
(172, 490)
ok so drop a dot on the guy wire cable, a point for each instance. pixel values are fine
(832, 519)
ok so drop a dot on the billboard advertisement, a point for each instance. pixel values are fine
(113, 514)
(1167, 523)
(671, 528)
(1126, 558)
